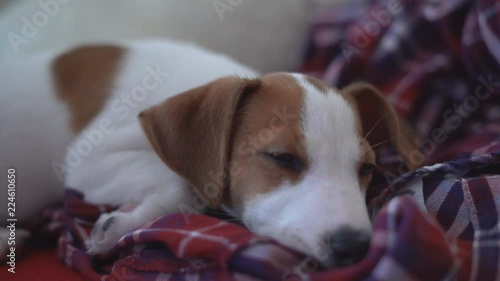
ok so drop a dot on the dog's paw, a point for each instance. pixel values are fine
(108, 229)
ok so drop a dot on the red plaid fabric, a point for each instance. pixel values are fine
(174, 247)
(456, 238)
(407, 244)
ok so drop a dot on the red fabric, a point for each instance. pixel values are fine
(40, 264)
(407, 244)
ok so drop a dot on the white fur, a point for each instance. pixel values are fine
(329, 196)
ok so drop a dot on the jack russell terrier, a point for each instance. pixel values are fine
(164, 126)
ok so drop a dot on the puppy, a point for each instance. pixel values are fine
(220, 25)
(164, 126)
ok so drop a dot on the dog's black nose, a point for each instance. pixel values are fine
(348, 245)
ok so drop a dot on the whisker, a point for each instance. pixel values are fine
(376, 123)
(386, 141)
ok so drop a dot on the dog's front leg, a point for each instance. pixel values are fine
(110, 227)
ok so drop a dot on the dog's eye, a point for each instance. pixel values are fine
(285, 160)
(366, 169)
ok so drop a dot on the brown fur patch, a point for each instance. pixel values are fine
(269, 121)
(224, 126)
(191, 132)
(380, 123)
(84, 78)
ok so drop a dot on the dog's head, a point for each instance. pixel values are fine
(290, 155)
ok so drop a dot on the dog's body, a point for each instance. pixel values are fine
(277, 149)
(151, 71)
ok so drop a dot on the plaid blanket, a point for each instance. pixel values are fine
(458, 238)
(439, 63)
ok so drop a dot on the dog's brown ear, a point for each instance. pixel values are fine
(192, 131)
(380, 123)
